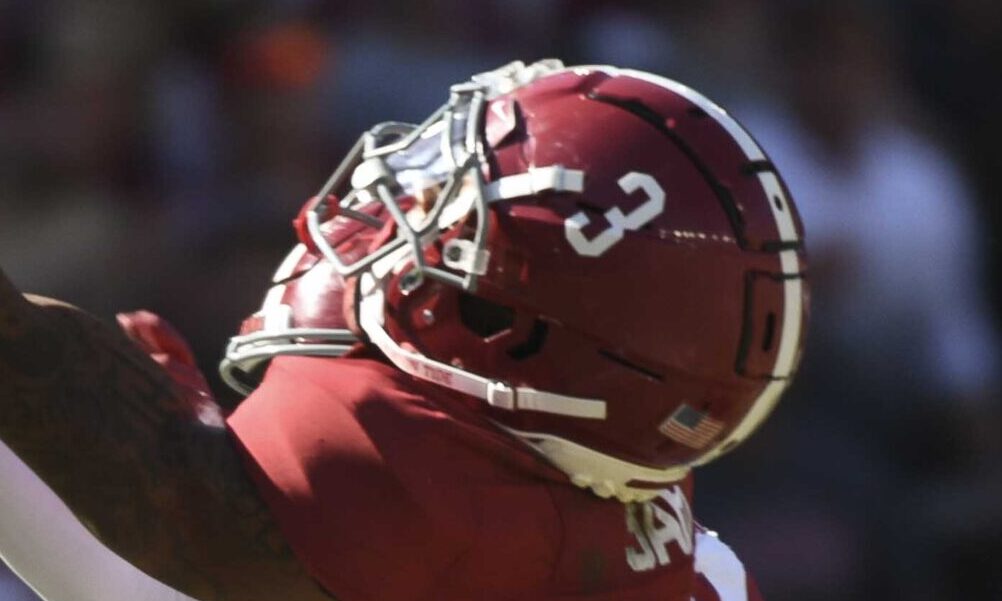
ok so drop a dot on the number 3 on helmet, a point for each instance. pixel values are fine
(603, 257)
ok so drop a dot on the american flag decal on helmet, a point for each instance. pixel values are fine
(690, 427)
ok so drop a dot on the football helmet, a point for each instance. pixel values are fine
(602, 259)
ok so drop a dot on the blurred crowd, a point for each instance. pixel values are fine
(153, 153)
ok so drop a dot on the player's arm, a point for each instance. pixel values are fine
(104, 426)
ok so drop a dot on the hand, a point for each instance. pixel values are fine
(158, 338)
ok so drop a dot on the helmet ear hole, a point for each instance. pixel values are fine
(533, 344)
(483, 317)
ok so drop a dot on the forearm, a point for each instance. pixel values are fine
(73, 406)
(55, 383)
(103, 426)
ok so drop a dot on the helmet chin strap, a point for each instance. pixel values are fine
(606, 476)
(494, 392)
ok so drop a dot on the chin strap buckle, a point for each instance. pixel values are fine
(501, 395)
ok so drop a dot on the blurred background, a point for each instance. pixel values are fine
(153, 153)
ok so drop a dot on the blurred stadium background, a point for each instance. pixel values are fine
(152, 154)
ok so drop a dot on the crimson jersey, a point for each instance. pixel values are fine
(391, 489)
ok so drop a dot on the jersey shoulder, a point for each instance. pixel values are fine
(387, 490)
(381, 492)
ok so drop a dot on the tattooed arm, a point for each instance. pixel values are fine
(106, 429)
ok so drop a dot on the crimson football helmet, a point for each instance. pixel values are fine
(603, 258)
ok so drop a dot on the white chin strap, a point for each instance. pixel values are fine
(495, 393)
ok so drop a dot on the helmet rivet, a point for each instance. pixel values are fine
(454, 253)
(428, 316)
(410, 281)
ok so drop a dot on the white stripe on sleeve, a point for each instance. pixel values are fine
(721, 567)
